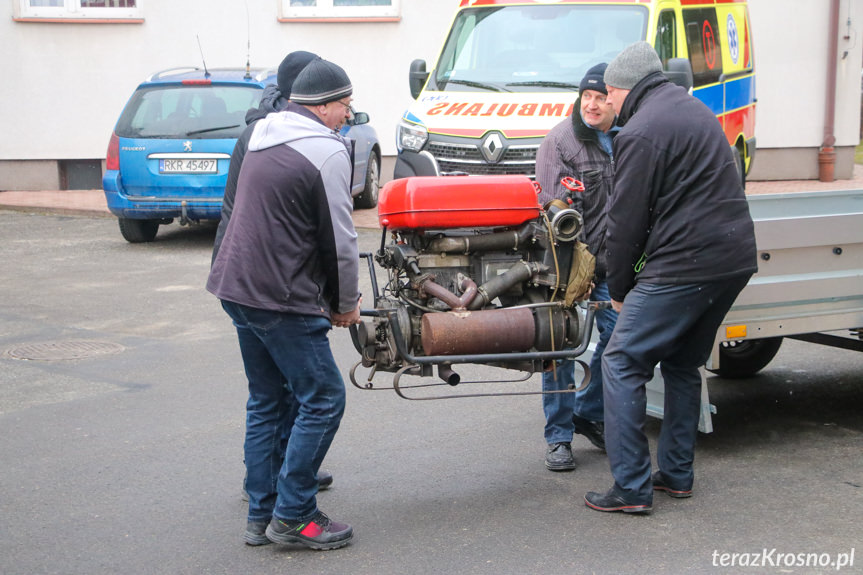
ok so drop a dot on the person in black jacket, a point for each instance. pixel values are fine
(274, 99)
(680, 246)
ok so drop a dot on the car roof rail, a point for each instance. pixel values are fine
(170, 71)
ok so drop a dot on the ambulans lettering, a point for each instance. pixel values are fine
(503, 110)
(489, 111)
(455, 109)
(551, 110)
(528, 109)
(507, 109)
(437, 108)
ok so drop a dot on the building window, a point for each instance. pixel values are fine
(79, 9)
(339, 9)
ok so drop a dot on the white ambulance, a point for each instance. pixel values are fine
(509, 71)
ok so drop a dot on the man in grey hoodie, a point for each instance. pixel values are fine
(286, 272)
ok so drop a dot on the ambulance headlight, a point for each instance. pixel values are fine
(411, 137)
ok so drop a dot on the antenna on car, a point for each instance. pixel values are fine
(206, 72)
(248, 75)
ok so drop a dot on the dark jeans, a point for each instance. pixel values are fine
(675, 326)
(587, 403)
(296, 402)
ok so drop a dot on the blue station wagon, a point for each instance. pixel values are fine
(169, 154)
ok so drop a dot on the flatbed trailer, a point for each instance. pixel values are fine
(809, 286)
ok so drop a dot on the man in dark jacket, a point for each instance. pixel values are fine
(580, 147)
(680, 247)
(274, 99)
(287, 271)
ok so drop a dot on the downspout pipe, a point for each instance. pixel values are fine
(827, 153)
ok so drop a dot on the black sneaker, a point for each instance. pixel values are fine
(325, 480)
(611, 502)
(594, 431)
(319, 532)
(256, 533)
(659, 484)
(558, 457)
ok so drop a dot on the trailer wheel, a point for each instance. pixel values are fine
(746, 357)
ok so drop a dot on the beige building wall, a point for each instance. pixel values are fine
(66, 83)
(791, 40)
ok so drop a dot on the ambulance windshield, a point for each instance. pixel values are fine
(533, 48)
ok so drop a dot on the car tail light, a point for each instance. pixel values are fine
(112, 162)
(197, 82)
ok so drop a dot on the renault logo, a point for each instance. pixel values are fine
(187, 146)
(492, 147)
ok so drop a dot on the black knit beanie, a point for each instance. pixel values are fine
(593, 79)
(290, 67)
(321, 82)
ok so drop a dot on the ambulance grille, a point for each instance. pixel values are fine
(517, 160)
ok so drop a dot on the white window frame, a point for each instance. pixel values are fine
(324, 9)
(72, 10)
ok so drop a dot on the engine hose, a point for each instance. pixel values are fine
(455, 302)
(520, 272)
(510, 240)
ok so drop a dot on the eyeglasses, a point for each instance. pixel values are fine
(348, 107)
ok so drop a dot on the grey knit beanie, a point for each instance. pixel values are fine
(632, 65)
(321, 82)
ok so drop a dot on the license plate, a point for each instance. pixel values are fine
(188, 166)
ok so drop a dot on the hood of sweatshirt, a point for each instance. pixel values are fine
(293, 123)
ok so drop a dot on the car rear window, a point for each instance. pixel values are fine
(195, 112)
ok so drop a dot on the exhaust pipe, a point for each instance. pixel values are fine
(446, 373)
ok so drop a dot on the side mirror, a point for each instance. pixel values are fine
(417, 77)
(679, 71)
(360, 118)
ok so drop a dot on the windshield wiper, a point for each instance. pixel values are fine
(545, 84)
(480, 85)
(205, 130)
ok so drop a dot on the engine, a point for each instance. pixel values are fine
(477, 272)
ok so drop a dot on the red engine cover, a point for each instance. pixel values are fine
(457, 202)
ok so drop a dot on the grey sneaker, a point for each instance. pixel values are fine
(256, 533)
(319, 532)
(558, 457)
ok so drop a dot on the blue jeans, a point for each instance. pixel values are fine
(296, 402)
(587, 403)
(674, 325)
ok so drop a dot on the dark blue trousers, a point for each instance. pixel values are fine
(675, 326)
(296, 402)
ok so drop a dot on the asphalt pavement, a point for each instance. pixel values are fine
(122, 400)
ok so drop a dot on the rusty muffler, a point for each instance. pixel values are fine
(477, 332)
